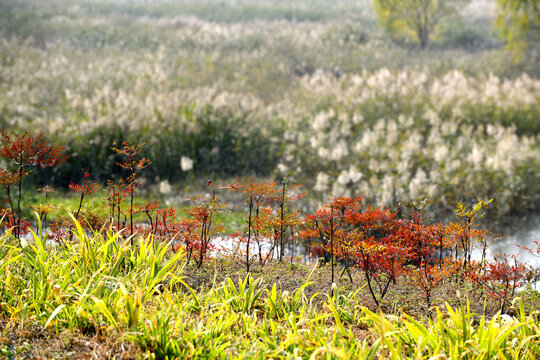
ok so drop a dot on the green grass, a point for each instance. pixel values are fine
(99, 286)
(232, 219)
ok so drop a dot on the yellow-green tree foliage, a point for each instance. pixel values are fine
(518, 22)
(415, 20)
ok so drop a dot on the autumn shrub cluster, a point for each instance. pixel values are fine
(400, 246)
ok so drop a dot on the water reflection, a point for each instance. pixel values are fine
(523, 232)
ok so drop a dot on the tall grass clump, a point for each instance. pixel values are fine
(459, 334)
(95, 282)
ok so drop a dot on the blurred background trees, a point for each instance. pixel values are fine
(413, 19)
(518, 23)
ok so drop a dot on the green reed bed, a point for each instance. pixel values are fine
(101, 286)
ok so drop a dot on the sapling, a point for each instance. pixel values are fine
(466, 218)
(256, 194)
(133, 165)
(85, 189)
(24, 151)
(201, 220)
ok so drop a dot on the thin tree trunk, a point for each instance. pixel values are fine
(131, 216)
(151, 223)
(8, 189)
(80, 206)
(366, 271)
(281, 230)
(18, 222)
(332, 240)
(249, 232)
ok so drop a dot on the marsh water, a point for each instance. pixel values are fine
(511, 234)
(522, 231)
